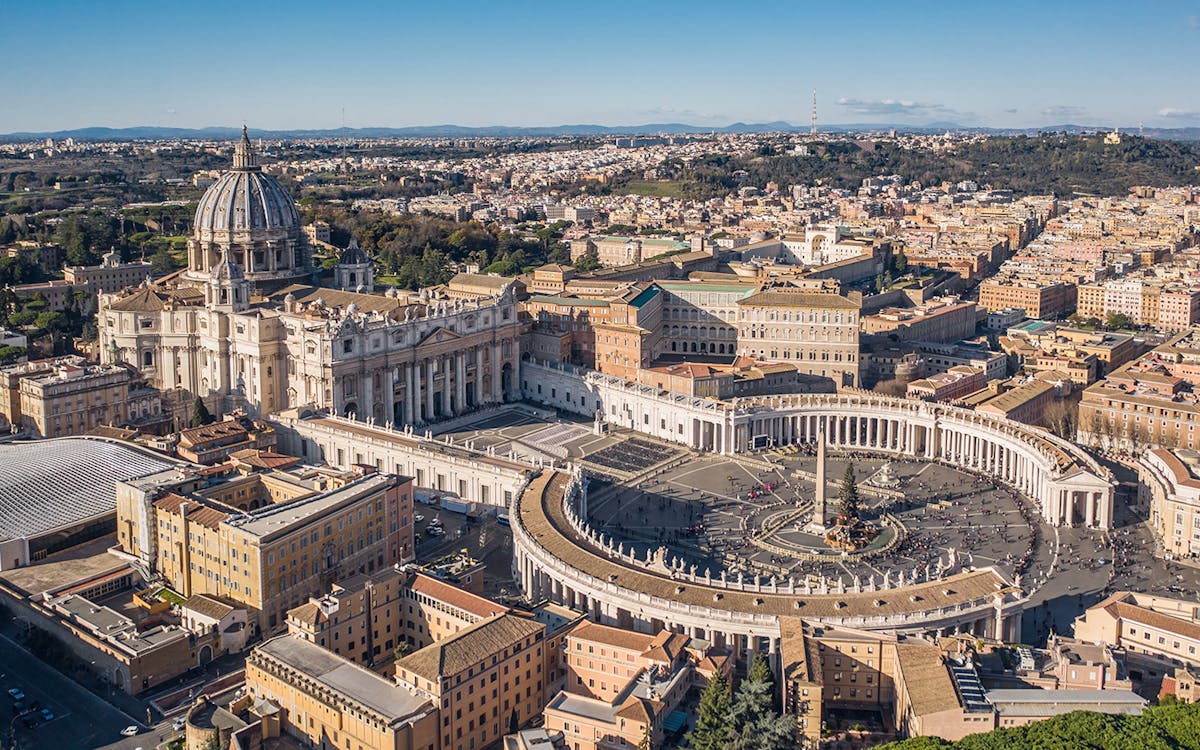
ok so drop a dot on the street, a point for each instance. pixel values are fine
(81, 719)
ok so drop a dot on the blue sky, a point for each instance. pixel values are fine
(297, 64)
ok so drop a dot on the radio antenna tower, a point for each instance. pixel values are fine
(813, 132)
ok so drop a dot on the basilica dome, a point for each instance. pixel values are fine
(249, 215)
(245, 199)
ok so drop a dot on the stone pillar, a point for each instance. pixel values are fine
(428, 390)
(497, 381)
(410, 394)
(460, 382)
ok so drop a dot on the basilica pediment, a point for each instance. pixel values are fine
(439, 336)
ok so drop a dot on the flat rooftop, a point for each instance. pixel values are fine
(345, 677)
(50, 484)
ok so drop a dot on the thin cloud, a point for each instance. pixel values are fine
(896, 107)
(1011, 110)
(1179, 114)
(684, 114)
(1064, 110)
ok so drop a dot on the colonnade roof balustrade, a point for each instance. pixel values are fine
(541, 519)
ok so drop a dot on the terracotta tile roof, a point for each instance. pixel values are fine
(798, 299)
(224, 428)
(639, 709)
(197, 513)
(927, 679)
(616, 637)
(468, 648)
(208, 606)
(154, 299)
(456, 597)
(1144, 616)
(666, 647)
(307, 613)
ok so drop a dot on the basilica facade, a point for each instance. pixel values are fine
(244, 327)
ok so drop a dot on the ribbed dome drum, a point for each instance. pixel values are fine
(249, 215)
(242, 201)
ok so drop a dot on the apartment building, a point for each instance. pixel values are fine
(817, 332)
(266, 541)
(213, 443)
(367, 617)
(1151, 401)
(67, 396)
(483, 679)
(328, 701)
(942, 319)
(621, 686)
(1169, 485)
(1156, 632)
(1039, 299)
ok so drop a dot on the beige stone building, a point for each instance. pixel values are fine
(480, 678)
(818, 333)
(1169, 485)
(1051, 299)
(367, 617)
(266, 541)
(67, 396)
(327, 701)
(620, 685)
(1155, 631)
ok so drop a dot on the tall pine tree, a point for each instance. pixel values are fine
(200, 413)
(756, 723)
(713, 728)
(848, 494)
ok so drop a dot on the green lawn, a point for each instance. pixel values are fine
(170, 596)
(657, 188)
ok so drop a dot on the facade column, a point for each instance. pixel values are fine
(497, 394)
(460, 382)
(389, 395)
(428, 390)
(410, 394)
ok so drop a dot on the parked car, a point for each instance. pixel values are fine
(47, 714)
(129, 731)
(16, 694)
(179, 724)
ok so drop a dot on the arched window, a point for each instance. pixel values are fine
(147, 359)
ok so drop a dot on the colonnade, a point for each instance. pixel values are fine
(438, 386)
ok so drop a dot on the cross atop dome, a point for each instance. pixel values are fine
(244, 158)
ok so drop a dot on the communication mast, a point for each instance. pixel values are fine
(813, 132)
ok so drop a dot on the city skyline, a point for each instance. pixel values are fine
(542, 65)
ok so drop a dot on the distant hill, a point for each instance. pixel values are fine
(154, 132)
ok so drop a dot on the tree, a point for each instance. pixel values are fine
(756, 723)
(1117, 320)
(589, 261)
(50, 321)
(11, 353)
(899, 262)
(401, 650)
(848, 494)
(646, 742)
(162, 261)
(200, 414)
(713, 728)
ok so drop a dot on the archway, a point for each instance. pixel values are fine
(506, 374)
(351, 408)
(205, 656)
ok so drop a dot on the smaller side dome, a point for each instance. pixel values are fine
(353, 255)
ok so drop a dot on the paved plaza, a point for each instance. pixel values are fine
(706, 508)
